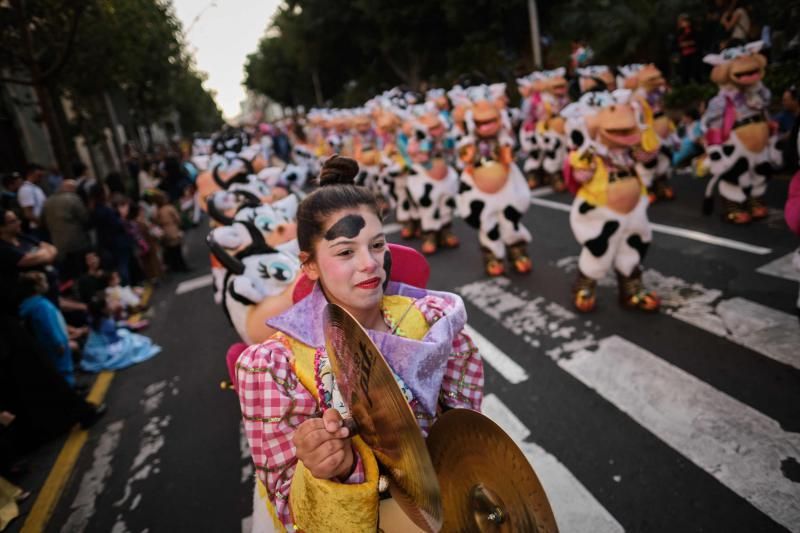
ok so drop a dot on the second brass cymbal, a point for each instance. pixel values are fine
(487, 482)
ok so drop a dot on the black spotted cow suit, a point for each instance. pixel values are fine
(742, 173)
(497, 216)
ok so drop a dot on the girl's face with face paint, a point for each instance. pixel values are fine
(351, 260)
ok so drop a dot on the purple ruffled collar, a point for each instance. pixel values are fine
(420, 363)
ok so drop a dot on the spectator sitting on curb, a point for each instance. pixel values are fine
(46, 323)
(20, 252)
(44, 405)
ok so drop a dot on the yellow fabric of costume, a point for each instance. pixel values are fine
(650, 141)
(593, 191)
(321, 504)
(8, 502)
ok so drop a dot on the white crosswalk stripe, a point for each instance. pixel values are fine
(575, 509)
(741, 447)
(736, 444)
(491, 354)
(764, 330)
(783, 267)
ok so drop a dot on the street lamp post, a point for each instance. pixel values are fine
(533, 15)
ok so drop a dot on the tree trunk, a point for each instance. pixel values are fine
(317, 87)
(53, 128)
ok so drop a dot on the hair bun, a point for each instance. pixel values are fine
(338, 170)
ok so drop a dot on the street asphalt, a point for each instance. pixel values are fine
(648, 455)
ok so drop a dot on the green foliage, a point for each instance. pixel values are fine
(132, 46)
(684, 96)
(624, 31)
(357, 49)
(782, 75)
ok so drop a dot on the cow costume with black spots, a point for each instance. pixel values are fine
(433, 185)
(530, 88)
(609, 214)
(550, 131)
(650, 91)
(493, 194)
(740, 143)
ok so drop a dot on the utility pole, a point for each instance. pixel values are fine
(536, 42)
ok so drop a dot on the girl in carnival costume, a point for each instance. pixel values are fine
(313, 475)
(493, 195)
(609, 214)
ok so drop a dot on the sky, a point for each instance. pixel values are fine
(221, 38)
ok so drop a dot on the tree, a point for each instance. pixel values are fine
(38, 39)
(132, 47)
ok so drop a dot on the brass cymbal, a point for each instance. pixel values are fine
(385, 421)
(487, 483)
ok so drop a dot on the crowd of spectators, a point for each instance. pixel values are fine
(74, 255)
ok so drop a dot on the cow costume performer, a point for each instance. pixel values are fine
(741, 148)
(493, 194)
(529, 88)
(257, 257)
(433, 184)
(609, 214)
(550, 132)
(651, 88)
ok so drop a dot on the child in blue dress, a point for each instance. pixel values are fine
(110, 347)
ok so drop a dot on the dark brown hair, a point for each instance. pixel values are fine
(336, 191)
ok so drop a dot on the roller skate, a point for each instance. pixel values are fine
(491, 264)
(735, 213)
(633, 295)
(446, 238)
(583, 293)
(518, 257)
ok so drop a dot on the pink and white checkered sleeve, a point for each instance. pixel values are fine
(462, 385)
(273, 404)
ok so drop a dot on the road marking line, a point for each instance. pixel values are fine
(65, 462)
(93, 482)
(388, 229)
(740, 446)
(574, 506)
(677, 232)
(710, 239)
(194, 284)
(247, 524)
(496, 357)
(764, 330)
(782, 267)
(551, 204)
(733, 442)
(541, 191)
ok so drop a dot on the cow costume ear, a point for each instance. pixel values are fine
(714, 59)
(754, 47)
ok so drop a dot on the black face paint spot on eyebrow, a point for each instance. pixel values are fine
(387, 267)
(349, 227)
